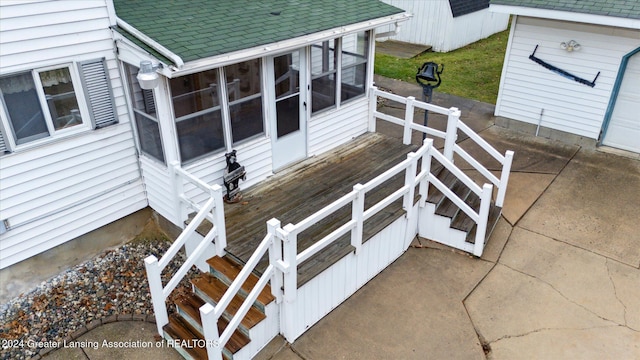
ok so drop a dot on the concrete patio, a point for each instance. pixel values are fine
(559, 279)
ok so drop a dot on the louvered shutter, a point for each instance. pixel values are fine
(3, 144)
(97, 88)
(149, 103)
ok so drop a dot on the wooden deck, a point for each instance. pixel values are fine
(294, 194)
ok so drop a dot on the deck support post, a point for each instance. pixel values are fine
(218, 216)
(373, 107)
(275, 258)
(483, 218)
(290, 253)
(452, 133)
(423, 189)
(357, 214)
(504, 178)
(410, 183)
(408, 120)
(178, 190)
(210, 332)
(155, 288)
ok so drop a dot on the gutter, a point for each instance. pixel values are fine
(177, 60)
(394, 32)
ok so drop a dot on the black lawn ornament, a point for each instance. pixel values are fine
(232, 175)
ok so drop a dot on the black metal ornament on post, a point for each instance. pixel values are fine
(428, 76)
(232, 176)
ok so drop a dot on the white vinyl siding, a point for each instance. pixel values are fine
(332, 128)
(528, 89)
(62, 189)
(433, 24)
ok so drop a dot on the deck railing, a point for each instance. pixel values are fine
(450, 136)
(213, 211)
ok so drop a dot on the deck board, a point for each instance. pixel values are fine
(294, 194)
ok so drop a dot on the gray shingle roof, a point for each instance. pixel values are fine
(197, 29)
(616, 8)
(463, 7)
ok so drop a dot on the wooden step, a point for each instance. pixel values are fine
(190, 304)
(211, 289)
(447, 207)
(448, 179)
(462, 221)
(494, 216)
(227, 270)
(179, 329)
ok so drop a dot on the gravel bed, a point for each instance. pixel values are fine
(113, 283)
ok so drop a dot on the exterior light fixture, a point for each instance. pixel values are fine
(428, 76)
(570, 46)
(147, 76)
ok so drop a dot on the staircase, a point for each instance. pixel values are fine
(445, 221)
(185, 326)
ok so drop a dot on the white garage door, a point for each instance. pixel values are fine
(623, 131)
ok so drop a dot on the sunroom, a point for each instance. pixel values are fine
(275, 81)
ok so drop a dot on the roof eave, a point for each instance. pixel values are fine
(285, 45)
(566, 16)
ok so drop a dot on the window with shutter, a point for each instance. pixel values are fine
(97, 87)
(3, 144)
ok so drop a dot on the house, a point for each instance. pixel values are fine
(68, 158)
(572, 70)
(446, 25)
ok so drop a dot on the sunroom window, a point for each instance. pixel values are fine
(40, 103)
(354, 65)
(323, 75)
(146, 119)
(244, 90)
(196, 105)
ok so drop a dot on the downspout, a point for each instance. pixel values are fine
(149, 41)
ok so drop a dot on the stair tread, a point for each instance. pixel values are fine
(191, 303)
(179, 329)
(447, 207)
(214, 288)
(462, 221)
(231, 270)
(435, 196)
(494, 215)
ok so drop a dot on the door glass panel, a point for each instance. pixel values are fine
(287, 88)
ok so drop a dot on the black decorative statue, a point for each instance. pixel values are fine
(232, 175)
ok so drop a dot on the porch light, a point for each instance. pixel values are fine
(428, 76)
(147, 76)
(570, 46)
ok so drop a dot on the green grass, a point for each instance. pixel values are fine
(472, 71)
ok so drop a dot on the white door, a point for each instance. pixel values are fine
(288, 120)
(623, 131)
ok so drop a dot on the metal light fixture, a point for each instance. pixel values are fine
(570, 46)
(147, 76)
(428, 76)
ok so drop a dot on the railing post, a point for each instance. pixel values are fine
(410, 181)
(287, 311)
(218, 215)
(155, 288)
(275, 257)
(373, 107)
(408, 120)
(481, 230)
(452, 132)
(423, 189)
(357, 214)
(504, 178)
(178, 191)
(210, 332)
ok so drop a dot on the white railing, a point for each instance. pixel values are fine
(210, 314)
(450, 136)
(212, 210)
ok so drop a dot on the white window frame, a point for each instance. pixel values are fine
(53, 133)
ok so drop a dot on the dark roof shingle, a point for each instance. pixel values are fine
(616, 8)
(197, 29)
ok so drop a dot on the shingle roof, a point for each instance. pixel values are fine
(463, 7)
(197, 29)
(616, 8)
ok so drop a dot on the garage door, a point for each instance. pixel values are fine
(623, 131)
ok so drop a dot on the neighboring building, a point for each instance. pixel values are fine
(68, 162)
(446, 25)
(591, 91)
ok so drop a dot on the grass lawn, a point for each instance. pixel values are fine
(472, 71)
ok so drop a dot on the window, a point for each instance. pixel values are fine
(323, 75)
(40, 103)
(55, 101)
(354, 65)
(198, 116)
(146, 120)
(245, 99)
